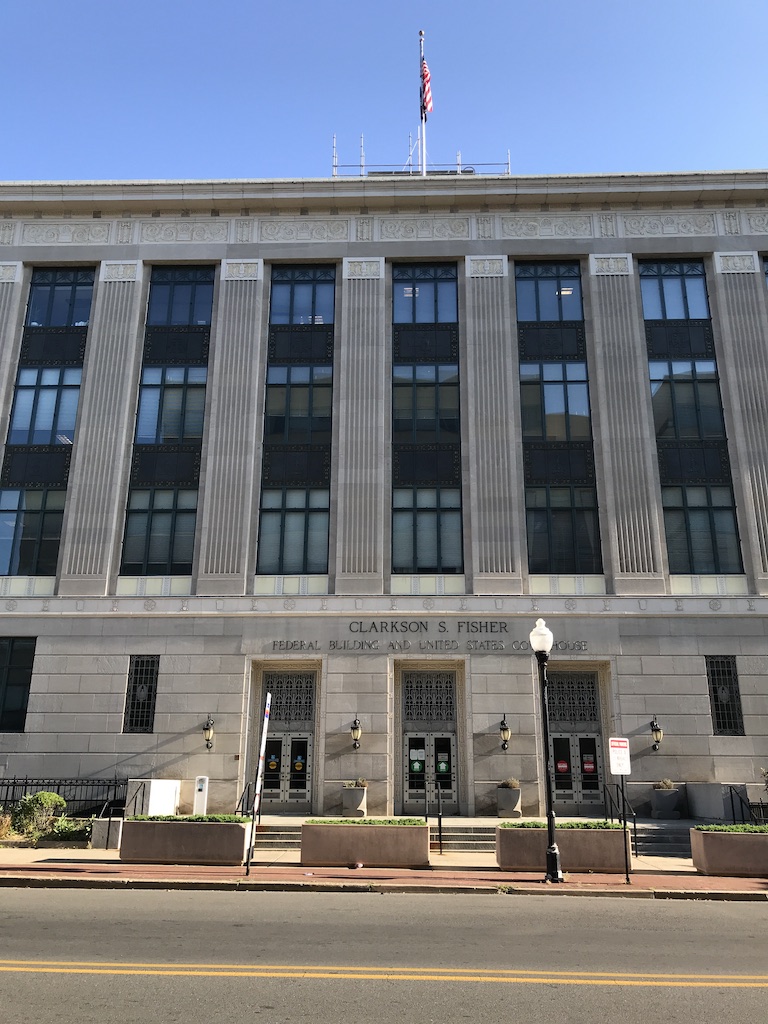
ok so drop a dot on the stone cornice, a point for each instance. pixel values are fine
(403, 192)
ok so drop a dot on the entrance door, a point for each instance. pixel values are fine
(578, 767)
(287, 772)
(429, 766)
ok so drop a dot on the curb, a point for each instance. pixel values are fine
(246, 885)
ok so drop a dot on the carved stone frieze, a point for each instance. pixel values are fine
(486, 266)
(360, 270)
(732, 222)
(124, 232)
(184, 231)
(540, 225)
(485, 227)
(402, 229)
(737, 263)
(242, 270)
(126, 271)
(607, 225)
(65, 233)
(6, 234)
(281, 229)
(643, 225)
(757, 223)
(244, 230)
(364, 229)
(617, 265)
(9, 272)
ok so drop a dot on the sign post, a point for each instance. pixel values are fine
(620, 764)
(259, 783)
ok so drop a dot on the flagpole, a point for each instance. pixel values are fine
(423, 108)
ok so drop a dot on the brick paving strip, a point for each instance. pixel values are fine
(75, 872)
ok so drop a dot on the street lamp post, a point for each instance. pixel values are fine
(541, 644)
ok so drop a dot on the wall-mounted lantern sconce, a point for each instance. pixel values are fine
(208, 731)
(657, 732)
(357, 731)
(505, 732)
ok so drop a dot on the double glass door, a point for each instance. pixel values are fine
(288, 772)
(429, 767)
(577, 760)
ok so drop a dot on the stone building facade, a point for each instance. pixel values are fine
(344, 441)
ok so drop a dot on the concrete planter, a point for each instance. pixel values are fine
(377, 846)
(185, 842)
(587, 849)
(664, 804)
(508, 802)
(354, 802)
(743, 854)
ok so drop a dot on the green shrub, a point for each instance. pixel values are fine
(75, 830)
(586, 823)
(511, 783)
(236, 818)
(34, 813)
(366, 821)
(5, 824)
(664, 784)
(731, 828)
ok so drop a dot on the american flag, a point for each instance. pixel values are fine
(426, 89)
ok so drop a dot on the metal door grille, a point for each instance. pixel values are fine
(293, 698)
(573, 702)
(429, 697)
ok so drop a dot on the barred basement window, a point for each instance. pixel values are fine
(724, 696)
(142, 691)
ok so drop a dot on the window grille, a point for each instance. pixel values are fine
(573, 700)
(141, 694)
(724, 696)
(293, 697)
(429, 697)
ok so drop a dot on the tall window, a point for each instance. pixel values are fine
(162, 503)
(60, 297)
(424, 294)
(426, 462)
(293, 536)
(35, 471)
(724, 696)
(548, 292)
(141, 693)
(560, 495)
(17, 655)
(294, 512)
(697, 494)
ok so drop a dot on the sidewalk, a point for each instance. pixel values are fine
(279, 870)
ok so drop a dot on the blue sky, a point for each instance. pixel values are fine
(249, 89)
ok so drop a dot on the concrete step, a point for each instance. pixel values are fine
(663, 841)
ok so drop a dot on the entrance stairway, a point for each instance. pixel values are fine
(654, 839)
(664, 838)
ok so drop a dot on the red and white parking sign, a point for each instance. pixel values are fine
(618, 750)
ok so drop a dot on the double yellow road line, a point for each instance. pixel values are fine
(379, 973)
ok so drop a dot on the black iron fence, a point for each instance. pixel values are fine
(85, 797)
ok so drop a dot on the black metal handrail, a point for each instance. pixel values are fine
(748, 813)
(244, 804)
(619, 807)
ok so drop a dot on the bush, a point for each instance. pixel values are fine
(664, 784)
(365, 821)
(355, 784)
(732, 828)
(5, 824)
(34, 813)
(509, 784)
(238, 819)
(586, 823)
(62, 830)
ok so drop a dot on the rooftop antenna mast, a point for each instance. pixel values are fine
(362, 156)
(335, 163)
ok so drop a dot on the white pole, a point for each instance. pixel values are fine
(423, 111)
(335, 157)
(362, 155)
(260, 771)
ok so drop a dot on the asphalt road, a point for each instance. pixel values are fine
(75, 957)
